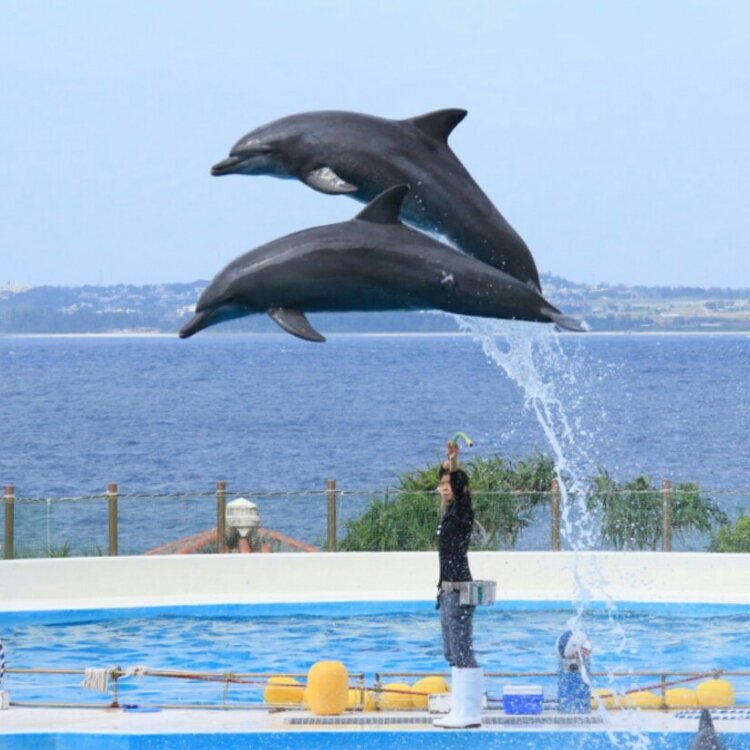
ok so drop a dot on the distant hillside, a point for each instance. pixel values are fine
(165, 307)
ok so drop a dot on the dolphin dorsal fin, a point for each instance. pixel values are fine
(294, 322)
(438, 125)
(385, 207)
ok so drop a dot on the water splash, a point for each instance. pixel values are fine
(556, 386)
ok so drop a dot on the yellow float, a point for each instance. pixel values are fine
(715, 693)
(361, 699)
(327, 688)
(605, 697)
(681, 698)
(431, 685)
(283, 689)
(396, 701)
(641, 699)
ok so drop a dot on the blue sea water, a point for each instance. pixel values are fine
(272, 413)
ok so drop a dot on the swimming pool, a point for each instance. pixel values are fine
(369, 638)
(279, 613)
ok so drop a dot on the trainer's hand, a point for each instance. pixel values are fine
(451, 463)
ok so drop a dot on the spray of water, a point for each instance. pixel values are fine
(556, 388)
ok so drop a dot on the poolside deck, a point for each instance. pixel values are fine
(189, 729)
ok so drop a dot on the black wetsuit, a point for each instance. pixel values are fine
(454, 535)
(456, 620)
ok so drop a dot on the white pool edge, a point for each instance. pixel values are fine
(117, 582)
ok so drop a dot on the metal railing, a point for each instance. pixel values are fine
(122, 692)
(332, 518)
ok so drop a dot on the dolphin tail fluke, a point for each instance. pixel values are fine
(295, 322)
(706, 739)
(566, 322)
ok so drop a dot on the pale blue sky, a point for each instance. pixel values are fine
(612, 135)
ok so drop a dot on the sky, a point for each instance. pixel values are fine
(613, 135)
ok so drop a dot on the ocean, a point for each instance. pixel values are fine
(272, 414)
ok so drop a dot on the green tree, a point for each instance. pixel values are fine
(632, 512)
(505, 495)
(733, 538)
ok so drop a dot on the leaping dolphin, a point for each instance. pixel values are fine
(361, 156)
(706, 739)
(372, 262)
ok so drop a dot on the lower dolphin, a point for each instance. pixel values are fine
(706, 739)
(372, 262)
(349, 153)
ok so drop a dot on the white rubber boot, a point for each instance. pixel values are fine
(466, 701)
(448, 721)
(472, 693)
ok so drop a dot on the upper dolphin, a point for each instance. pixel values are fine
(361, 155)
(372, 262)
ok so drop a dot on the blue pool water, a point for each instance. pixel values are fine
(367, 637)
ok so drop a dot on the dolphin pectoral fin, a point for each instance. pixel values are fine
(294, 322)
(566, 322)
(325, 180)
(384, 208)
(440, 124)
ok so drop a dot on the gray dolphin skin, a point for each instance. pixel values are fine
(372, 262)
(706, 739)
(345, 153)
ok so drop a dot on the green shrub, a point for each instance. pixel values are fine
(632, 512)
(505, 496)
(733, 538)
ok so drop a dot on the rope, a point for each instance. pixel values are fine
(2, 662)
(268, 494)
(97, 679)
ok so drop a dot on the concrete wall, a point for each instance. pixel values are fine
(82, 583)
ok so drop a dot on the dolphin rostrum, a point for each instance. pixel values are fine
(706, 739)
(361, 156)
(372, 262)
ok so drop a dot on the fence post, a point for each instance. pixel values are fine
(10, 502)
(666, 515)
(221, 517)
(112, 515)
(331, 498)
(555, 514)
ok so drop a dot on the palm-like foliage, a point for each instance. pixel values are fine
(505, 496)
(632, 513)
(733, 538)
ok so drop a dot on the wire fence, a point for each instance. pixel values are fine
(331, 518)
